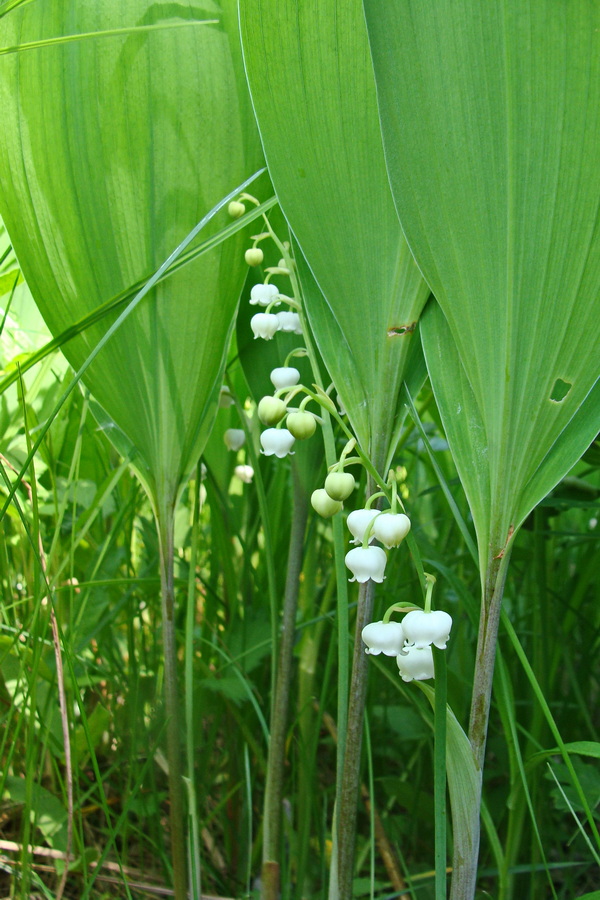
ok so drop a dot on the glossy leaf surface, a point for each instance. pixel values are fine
(491, 122)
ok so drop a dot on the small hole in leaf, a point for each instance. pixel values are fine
(396, 330)
(560, 390)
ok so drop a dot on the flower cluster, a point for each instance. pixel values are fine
(367, 525)
(329, 499)
(266, 325)
(285, 425)
(410, 641)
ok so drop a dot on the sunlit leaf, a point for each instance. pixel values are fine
(117, 146)
(9, 281)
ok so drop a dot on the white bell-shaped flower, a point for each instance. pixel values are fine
(425, 628)
(263, 294)
(276, 442)
(234, 438)
(365, 563)
(383, 637)
(358, 522)
(285, 377)
(415, 664)
(244, 473)
(290, 322)
(264, 325)
(391, 528)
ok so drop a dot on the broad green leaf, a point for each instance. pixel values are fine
(314, 96)
(491, 122)
(117, 146)
(118, 302)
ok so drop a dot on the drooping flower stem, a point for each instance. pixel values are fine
(165, 525)
(466, 845)
(350, 778)
(279, 711)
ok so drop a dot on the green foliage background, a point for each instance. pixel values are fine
(113, 147)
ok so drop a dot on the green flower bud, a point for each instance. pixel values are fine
(322, 503)
(236, 209)
(301, 424)
(271, 410)
(254, 256)
(339, 485)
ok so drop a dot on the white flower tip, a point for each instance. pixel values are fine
(425, 628)
(365, 563)
(391, 528)
(415, 664)
(285, 376)
(383, 637)
(277, 442)
(358, 521)
(263, 294)
(264, 325)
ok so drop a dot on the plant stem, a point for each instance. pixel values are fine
(439, 757)
(194, 858)
(348, 794)
(466, 845)
(279, 714)
(518, 809)
(165, 525)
